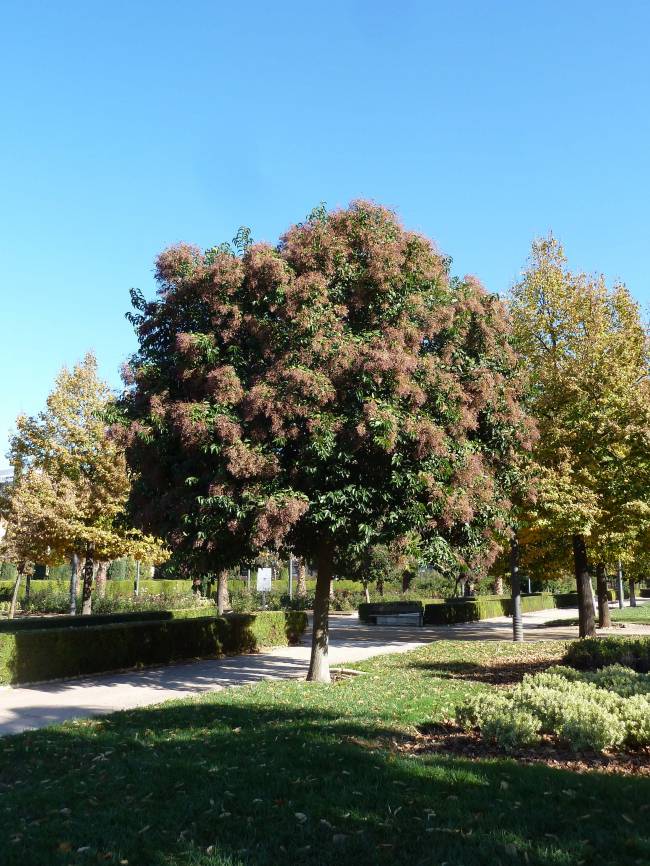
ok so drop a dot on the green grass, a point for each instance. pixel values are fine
(293, 773)
(639, 614)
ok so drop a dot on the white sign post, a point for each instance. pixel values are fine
(264, 582)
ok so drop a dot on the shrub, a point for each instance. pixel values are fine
(587, 726)
(33, 655)
(473, 712)
(635, 715)
(515, 730)
(593, 653)
(576, 708)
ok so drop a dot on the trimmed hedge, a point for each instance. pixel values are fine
(114, 588)
(52, 653)
(599, 652)
(36, 623)
(482, 607)
(570, 599)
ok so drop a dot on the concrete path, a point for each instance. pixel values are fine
(30, 707)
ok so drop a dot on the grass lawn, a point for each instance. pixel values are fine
(292, 773)
(632, 614)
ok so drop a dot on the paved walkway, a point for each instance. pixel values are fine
(30, 707)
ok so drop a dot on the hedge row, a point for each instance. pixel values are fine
(114, 588)
(598, 652)
(482, 607)
(38, 623)
(442, 612)
(46, 654)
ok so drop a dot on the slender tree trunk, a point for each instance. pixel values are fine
(380, 586)
(319, 665)
(28, 588)
(586, 614)
(498, 585)
(632, 592)
(604, 619)
(366, 591)
(100, 579)
(74, 577)
(223, 600)
(301, 588)
(16, 590)
(87, 590)
(407, 580)
(515, 583)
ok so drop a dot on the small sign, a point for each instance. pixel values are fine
(264, 579)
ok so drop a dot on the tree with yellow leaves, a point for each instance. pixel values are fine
(71, 482)
(586, 351)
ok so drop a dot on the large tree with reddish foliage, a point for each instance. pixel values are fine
(332, 392)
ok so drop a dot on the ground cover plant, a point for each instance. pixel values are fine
(592, 711)
(289, 772)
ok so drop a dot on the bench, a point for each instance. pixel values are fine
(392, 613)
(397, 619)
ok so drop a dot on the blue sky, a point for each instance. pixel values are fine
(127, 126)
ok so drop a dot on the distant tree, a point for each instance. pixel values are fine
(331, 393)
(586, 351)
(71, 483)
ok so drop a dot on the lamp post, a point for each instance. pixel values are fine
(619, 581)
(515, 584)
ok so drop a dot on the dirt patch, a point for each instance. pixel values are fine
(451, 740)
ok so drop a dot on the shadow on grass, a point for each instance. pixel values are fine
(268, 777)
(497, 673)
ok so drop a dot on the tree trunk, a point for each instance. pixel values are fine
(632, 592)
(301, 588)
(366, 591)
(604, 619)
(28, 589)
(86, 593)
(223, 600)
(498, 585)
(380, 586)
(586, 614)
(16, 590)
(515, 583)
(74, 577)
(319, 665)
(407, 580)
(100, 579)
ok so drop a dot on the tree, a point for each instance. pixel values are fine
(334, 392)
(71, 482)
(586, 352)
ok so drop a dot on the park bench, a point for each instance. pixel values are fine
(392, 613)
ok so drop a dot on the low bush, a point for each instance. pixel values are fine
(578, 709)
(45, 654)
(599, 652)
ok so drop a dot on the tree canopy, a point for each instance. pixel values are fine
(586, 351)
(333, 392)
(71, 482)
